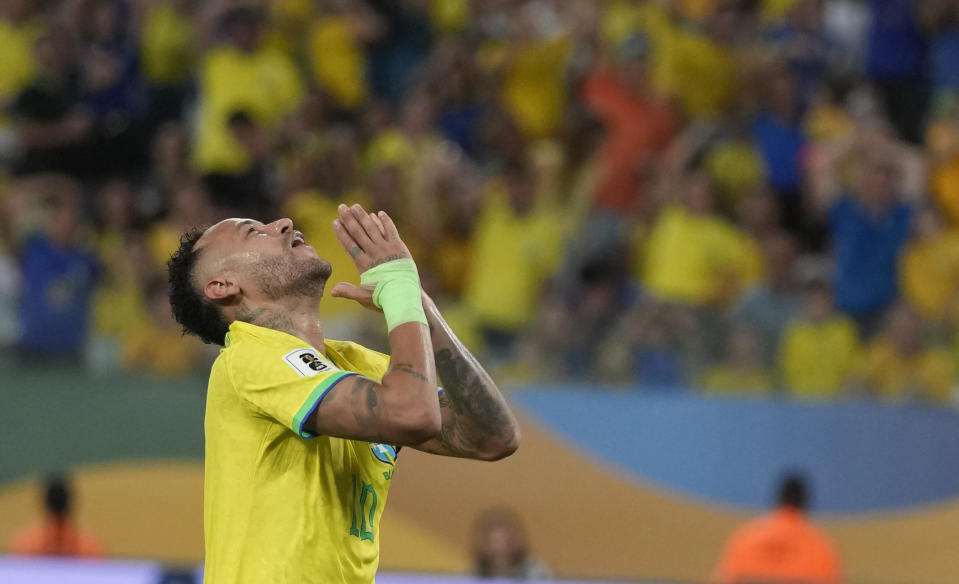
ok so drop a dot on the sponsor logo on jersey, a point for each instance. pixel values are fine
(307, 362)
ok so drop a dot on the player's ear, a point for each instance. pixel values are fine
(222, 287)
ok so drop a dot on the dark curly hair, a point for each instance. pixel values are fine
(195, 313)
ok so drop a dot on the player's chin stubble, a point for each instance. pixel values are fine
(282, 276)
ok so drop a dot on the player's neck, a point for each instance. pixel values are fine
(299, 319)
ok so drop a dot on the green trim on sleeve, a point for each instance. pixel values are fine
(311, 403)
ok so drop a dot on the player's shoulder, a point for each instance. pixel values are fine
(356, 357)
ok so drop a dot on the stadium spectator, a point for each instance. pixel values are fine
(782, 546)
(336, 42)
(778, 135)
(532, 69)
(501, 549)
(118, 304)
(188, 205)
(41, 222)
(157, 345)
(741, 369)
(638, 126)
(900, 364)
(940, 19)
(870, 224)
(20, 26)
(804, 44)
(516, 245)
(168, 46)
(896, 63)
(397, 52)
(942, 144)
(240, 74)
(112, 90)
(698, 65)
(818, 349)
(57, 534)
(693, 256)
(51, 127)
(930, 270)
(772, 303)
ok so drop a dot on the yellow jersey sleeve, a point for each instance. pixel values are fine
(284, 383)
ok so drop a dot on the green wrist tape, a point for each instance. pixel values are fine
(396, 290)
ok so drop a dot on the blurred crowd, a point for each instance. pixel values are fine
(744, 196)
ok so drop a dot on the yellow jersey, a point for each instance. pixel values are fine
(280, 504)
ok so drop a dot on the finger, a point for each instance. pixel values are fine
(346, 240)
(379, 223)
(367, 222)
(355, 293)
(388, 226)
(347, 290)
(353, 227)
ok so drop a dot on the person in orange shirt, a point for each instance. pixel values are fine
(639, 125)
(782, 546)
(57, 534)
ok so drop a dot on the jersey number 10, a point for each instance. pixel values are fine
(365, 495)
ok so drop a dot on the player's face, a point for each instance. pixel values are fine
(273, 258)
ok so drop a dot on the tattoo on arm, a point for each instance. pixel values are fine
(388, 258)
(476, 411)
(364, 403)
(407, 368)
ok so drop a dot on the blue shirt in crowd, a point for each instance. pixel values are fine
(896, 47)
(57, 288)
(944, 54)
(781, 145)
(867, 254)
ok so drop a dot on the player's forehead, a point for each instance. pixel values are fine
(227, 230)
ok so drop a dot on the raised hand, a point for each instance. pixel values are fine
(369, 239)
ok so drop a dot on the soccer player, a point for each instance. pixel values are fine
(302, 431)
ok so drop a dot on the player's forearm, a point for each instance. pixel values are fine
(409, 386)
(477, 421)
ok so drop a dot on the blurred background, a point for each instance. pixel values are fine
(702, 244)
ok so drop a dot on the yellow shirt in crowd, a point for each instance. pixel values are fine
(166, 45)
(280, 504)
(930, 274)
(119, 306)
(534, 87)
(338, 61)
(16, 58)
(929, 374)
(697, 259)
(163, 351)
(512, 256)
(265, 84)
(816, 357)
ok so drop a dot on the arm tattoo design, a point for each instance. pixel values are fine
(407, 368)
(476, 411)
(388, 258)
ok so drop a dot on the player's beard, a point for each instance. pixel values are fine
(284, 276)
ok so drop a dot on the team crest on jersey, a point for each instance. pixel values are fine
(306, 362)
(384, 453)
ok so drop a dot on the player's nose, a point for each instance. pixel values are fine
(282, 226)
